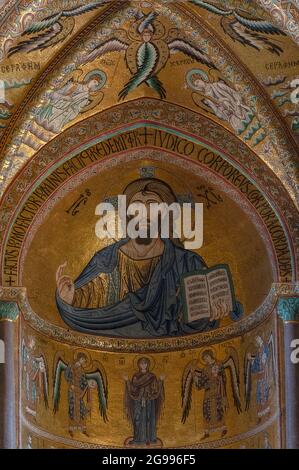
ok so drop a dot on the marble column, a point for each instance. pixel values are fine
(9, 313)
(288, 311)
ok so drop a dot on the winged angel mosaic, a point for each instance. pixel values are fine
(212, 379)
(244, 27)
(147, 48)
(39, 31)
(35, 377)
(82, 376)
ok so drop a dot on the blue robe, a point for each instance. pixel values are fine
(152, 311)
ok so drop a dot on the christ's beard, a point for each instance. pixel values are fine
(143, 241)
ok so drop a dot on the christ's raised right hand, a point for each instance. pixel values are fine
(65, 285)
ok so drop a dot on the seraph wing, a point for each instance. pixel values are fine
(111, 45)
(212, 7)
(45, 379)
(257, 25)
(50, 20)
(60, 367)
(41, 40)
(180, 45)
(42, 25)
(102, 388)
(238, 32)
(51, 29)
(156, 85)
(232, 365)
(147, 59)
(247, 380)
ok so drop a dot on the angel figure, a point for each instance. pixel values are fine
(212, 379)
(260, 364)
(219, 98)
(144, 399)
(80, 384)
(146, 52)
(74, 97)
(243, 27)
(35, 377)
(41, 31)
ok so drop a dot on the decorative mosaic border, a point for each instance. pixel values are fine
(114, 344)
(218, 443)
(18, 295)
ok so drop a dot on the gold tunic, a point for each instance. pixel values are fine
(133, 274)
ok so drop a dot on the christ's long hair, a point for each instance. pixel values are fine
(156, 186)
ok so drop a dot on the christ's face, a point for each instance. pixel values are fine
(145, 198)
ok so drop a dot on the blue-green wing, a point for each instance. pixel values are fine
(147, 59)
(102, 391)
(212, 7)
(156, 85)
(61, 366)
(50, 20)
(24, 352)
(258, 25)
(180, 45)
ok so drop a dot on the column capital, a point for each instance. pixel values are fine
(288, 308)
(9, 311)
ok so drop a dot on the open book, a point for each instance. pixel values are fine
(204, 288)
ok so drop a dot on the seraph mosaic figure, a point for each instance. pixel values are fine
(42, 31)
(144, 399)
(211, 378)
(81, 379)
(260, 364)
(243, 27)
(147, 49)
(35, 377)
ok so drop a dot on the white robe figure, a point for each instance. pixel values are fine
(64, 105)
(225, 102)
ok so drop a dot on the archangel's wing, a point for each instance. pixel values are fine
(60, 367)
(247, 380)
(24, 352)
(231, 364)
(111, 45)
(272, 358)
(52, 29)
(45, 378)
(180, 45)
(102, 388)
(187, 386)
